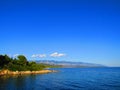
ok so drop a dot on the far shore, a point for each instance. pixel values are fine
(8, 72)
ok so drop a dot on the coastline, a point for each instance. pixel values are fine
(8, 72)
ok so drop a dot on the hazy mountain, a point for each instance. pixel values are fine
(69, 63)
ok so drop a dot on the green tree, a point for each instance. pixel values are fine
(4, 60)
(22, 60)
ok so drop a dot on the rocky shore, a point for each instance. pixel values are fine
(8, 72)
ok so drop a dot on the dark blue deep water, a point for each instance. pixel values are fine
(66, 79)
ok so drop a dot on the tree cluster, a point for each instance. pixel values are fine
(19, 64)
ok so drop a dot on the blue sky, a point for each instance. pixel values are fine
(71, 30)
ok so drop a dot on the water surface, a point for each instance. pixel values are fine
(66, 79)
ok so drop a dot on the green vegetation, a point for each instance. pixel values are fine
(51, 66)
(20, 64)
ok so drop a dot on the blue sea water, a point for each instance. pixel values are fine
(66, 79)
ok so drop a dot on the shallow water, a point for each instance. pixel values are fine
(66, 79)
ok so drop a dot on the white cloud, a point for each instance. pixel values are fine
(15, 55)
(42, 55)
(33, 56)
(56, 54)
(38, 55)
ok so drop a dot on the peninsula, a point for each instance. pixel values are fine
(20, 65)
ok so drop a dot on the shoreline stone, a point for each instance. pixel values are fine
(8, 72)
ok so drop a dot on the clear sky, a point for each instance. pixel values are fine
(70, 30)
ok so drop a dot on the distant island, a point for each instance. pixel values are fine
(21, 65)
(69, 63)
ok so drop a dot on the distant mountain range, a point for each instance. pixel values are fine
(69, 63)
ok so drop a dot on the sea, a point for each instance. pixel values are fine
(105, 78)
